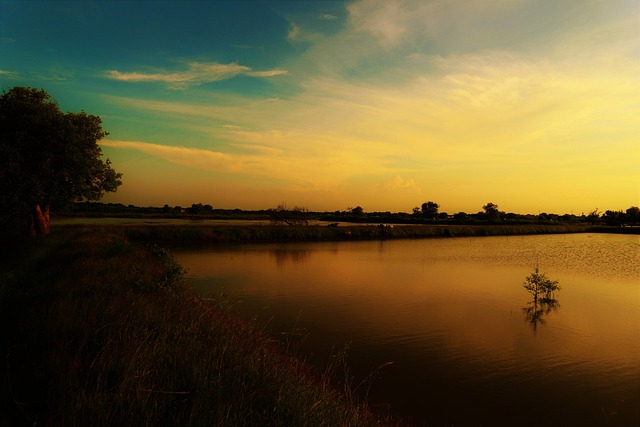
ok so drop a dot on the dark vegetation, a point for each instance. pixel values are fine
(543, 290)
(282, 215)
(540, 286)
(283, 224)
(268, 233)
(47, 159)
(99, 331)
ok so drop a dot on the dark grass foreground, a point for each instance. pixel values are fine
(97, 331)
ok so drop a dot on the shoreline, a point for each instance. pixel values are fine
(99, 330)
(227, 232)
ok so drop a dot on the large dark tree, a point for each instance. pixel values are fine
(633, 215)
(430, 209)
(491, 212)
(47, 158)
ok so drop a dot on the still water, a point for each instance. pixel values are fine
(451, 314)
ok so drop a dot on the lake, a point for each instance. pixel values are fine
(455, 321)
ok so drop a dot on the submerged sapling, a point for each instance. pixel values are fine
(539, 284)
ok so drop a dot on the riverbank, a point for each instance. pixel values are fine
(99, 331)
(261, 232)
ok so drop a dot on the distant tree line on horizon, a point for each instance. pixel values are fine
(427, 213)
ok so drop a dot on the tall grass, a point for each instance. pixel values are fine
(98, 331)
(274, 233)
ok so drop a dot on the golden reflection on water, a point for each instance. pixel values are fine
(455, 302)
(400, 286)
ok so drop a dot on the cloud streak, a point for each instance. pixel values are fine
(196, 74)
(7, 74)
(289, 166)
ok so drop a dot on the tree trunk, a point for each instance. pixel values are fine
(40, 223)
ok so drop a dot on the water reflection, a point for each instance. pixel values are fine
(536, 309)
(449, 313)
(285, 255)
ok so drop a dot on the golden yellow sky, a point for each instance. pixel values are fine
(530, 105)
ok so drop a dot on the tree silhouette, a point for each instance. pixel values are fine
(296, 216)
(430, 209)
(492, 212)
(542, 289)
(633, 215)
(593, 216)
(358, 210)
(47, 158)
(539, 284)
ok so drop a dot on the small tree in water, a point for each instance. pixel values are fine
(539, 284)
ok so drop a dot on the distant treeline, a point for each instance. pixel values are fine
(429, 214)
(197, 210)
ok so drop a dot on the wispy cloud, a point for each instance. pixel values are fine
(6, 74)
(44, 75)
(292, 166)
(56, 76)
(268, 73)
(487, 103)
(190, 157)
(327, 17)
(397, 183)
(299, 34)
(196, 74)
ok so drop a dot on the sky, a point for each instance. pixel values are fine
(533, 105)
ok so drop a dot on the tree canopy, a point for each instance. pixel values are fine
(430, 209)
(539, 284)
(492, 212)
(47, 158)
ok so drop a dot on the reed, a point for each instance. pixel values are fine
(274, 233)
(100, 331)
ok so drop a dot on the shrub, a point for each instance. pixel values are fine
(539, 284)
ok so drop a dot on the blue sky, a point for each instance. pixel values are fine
(530, 104)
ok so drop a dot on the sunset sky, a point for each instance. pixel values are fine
(530, 104)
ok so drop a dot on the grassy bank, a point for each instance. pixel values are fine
(99, 331)
(272, 233)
